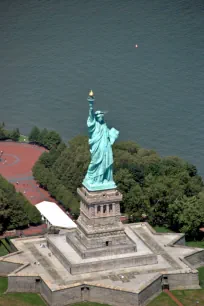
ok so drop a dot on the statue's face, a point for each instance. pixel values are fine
(100, 118)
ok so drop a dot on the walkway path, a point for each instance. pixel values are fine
(45, 263)
(170, 294)
(16, 166)
(155, 247)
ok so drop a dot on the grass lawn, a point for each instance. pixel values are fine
(27, 299)
(162, 229)
(6, 244)
(190, 297)
(22, 137)
(201, 276)
(3, 250)
(195, 244)
(18, 299)
(186, 297)
(162, 300)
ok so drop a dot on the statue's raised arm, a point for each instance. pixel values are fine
(100, 171)
(91, 101)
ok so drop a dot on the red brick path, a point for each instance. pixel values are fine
(173, 297)
(31, 231)
(16, 166)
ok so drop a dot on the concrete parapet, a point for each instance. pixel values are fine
(10, 255)
(7, 267)
(46, 293)
(88, 250)
(23, 266)
(196, 259)
(178, 240)
(112, 296)
(183, 280)
(74, 293)
(101, 264)
(70, 295)
(63, 259)
(24, 283)
(150, 289)
(79, 292)
(116, 286)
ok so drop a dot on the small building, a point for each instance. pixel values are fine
(201, 230)
(54, 216)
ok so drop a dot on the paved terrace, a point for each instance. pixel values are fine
(45, 264)
(16, 166)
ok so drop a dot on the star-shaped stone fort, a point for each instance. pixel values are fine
(101, 260)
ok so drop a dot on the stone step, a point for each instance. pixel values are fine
(155, 247)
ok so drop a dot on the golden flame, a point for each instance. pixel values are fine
(91, 93)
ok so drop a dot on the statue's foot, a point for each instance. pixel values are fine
(99, 186)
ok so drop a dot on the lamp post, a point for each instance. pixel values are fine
(1, 153)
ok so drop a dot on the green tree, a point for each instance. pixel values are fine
(2, 133)
(18, 216)
(161, 191)
(46, 159)
(72, 163)
(15, 210)
(125, 182)
(149, 184)
(137, 204)
(187, 215)
(42, 140)
(34, 216)
(52, 139)
(127, 146)
(4, 210)
(34, 134)
(14, 135)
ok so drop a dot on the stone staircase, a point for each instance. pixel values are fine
(154, 246)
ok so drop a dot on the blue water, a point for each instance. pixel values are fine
(53, 52)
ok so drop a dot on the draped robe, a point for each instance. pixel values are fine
(101, 138)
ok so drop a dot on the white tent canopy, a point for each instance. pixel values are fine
(55, 215)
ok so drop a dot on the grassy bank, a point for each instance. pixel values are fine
(162, 300)
(23, 138)
(190, 297)
(4, 250)
(201, 276)
(186, 297)
(162, 229)
(195, 244)
(18, 299)
(27, 299)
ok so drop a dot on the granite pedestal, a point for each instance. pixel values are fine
(100, 241)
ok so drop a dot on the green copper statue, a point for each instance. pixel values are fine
(100, 171)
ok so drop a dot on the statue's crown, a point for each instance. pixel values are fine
(97, 113)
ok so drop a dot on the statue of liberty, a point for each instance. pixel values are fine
(100, 171)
